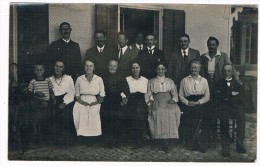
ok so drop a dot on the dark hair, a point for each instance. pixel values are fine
(213, 38)
(134, 61)
(160, 63)
(100, 31)
(90, 60)
(112, 60)
(122, 33)
(151, 34)
(60, 60)
(64, 23)
(185, 35)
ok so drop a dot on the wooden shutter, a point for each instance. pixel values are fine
(107, 20)
(173, 26)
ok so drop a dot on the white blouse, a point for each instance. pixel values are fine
(88, 90)
(137, 85)
(64, 85)
(189, 86)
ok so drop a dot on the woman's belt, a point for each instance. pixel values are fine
(194, 97)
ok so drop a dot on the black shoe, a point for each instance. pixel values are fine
(240, 148)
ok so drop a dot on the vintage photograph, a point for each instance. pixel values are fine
(132, 82)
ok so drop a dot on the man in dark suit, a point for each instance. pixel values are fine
(125, 55)
(67, 50)
(149, 57)
(101, 53)
(229, 103)
(179, 62)
(139, 43)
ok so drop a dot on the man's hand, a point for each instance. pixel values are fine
(62, 106)
(100, 99)
(171, 101)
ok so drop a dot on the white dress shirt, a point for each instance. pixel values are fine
(186, 52)
(212, 62)
(152, 48)
(101, 49)
(123, 51)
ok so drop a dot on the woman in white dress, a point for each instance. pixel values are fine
(89, 96)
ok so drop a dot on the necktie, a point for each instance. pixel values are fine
(140, 48)
(100, 50)
(151, 51)
(120, 53)
(184, 55)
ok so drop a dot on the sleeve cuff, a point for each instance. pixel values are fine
(123, 95)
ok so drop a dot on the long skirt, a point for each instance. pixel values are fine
(87, 119)
(164, 119)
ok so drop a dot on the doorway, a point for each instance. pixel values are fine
(134, 20)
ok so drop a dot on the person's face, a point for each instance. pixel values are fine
(228, 71)
(122, 41)
(39, 70)
(100, 39)
(184, 42)
(212, 46)
(150, 40)
(135, 69)
(195, 69)
(139, 39)
(59, 68)
(161, 70)
(89, 67)
(112, 67)
(65, 31)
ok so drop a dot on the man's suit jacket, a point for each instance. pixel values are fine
(176, 70)
(148, 62)
(220, 61)
(101, 59)
(124, 62)
(69, 53)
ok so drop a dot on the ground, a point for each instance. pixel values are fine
(150, 152)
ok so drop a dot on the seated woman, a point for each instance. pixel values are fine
(164, 113)
(136, 107)
(64, 92)
(194, 94)
(89, 96)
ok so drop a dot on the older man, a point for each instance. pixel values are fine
(67, 50)
(228, 93)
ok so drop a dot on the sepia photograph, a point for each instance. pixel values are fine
(132, 82)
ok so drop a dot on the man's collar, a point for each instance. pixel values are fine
(101, 47)
(186, 50)
(124, 48)
(152, 48)
(138, 46)
(67, 41)
(217, 54)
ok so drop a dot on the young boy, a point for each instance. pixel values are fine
(40, 90)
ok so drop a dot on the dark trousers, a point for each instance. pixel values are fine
(226, 110)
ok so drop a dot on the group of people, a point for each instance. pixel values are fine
(176, 99)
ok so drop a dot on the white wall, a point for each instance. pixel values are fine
(203, 21)
(82, 20)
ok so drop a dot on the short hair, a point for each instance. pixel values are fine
(38, 64)
(185, 35)
(112, 60)
(100, 31)
(90, 60)
(212, 38)
(122, 33)
(64, 23)
(60, 60)
(227, 64)
(151, 34)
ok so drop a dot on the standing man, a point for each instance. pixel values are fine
(139, 43)
(228, 101)
(179, 63)
(101, 53)
(125, 55)
(149, 57)
(67, 50)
